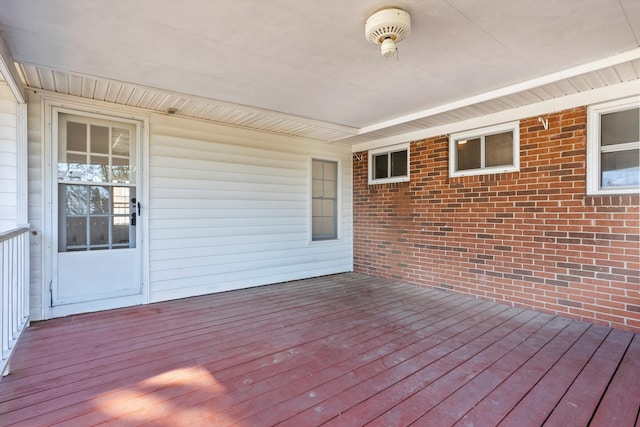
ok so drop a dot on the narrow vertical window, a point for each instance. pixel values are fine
(324, 195)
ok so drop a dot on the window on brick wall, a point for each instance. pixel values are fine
(389, 164)
(493, 149)
(324, 200)
(613, 147)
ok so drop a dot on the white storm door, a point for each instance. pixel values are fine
(98, 260)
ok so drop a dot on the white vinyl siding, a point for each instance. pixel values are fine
(230, 208)
(35, 210)
(8, 159)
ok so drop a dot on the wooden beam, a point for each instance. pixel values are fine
(10, 73)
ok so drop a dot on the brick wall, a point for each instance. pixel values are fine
(530, 238)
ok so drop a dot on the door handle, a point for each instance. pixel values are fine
(138, 208)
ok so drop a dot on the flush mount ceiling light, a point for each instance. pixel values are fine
(386, 27)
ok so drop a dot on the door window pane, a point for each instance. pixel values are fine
(99, 169)
(99, 139)
(120, 170)
(120, 142)
(121, 200)
(76, 137)
(76, 232)
(99, 230)
(99, 203)
(77, 200)
(120, 230)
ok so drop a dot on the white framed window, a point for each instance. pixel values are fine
(324, 200)
(389, 164)
(613, 147)
(493, 149)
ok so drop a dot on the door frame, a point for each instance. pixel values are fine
(51, 106)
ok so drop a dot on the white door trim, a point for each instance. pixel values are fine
(65, 104)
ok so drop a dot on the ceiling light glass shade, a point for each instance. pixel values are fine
(388, 47)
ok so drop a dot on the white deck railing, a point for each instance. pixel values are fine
(14, 290)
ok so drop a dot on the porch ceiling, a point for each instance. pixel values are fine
(303, 67)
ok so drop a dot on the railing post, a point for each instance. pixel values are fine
(14, 291)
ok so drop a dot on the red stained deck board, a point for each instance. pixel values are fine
(418, 377)
(302, 353)
(465, 398)
(300, 418)
(420, 358)
(113, 342)
(167, 311)
(340, 362)
(231, 351)
(506, 355)
(290, 362)
(621, 403)
(492, 409)
(165, 323)
(550, 389)
(371, 364)
(113, 345)
(580, 401)
(157, 352)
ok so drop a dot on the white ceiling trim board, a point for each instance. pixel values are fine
(620, 90)
(630, 55)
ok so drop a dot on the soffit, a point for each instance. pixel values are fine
(269, 121)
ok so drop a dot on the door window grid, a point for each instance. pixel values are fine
(95, 153)
(96, 217)
(96, 179)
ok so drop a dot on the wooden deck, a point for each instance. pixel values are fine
(343, 350)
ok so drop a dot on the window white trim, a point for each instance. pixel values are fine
(514, 127)
(593, 145)
(389, 150)
(339, 208)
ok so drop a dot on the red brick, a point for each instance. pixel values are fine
(481, 234)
